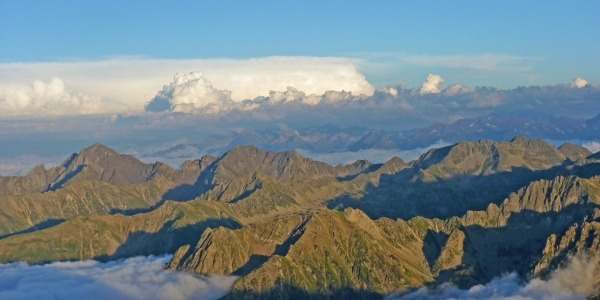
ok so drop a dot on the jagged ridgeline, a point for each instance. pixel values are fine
(292, 227)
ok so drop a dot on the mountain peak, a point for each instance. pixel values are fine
(97, 151)
(519, 139)
(284, 166)
(574, 152)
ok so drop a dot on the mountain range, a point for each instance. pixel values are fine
(334, 139)
(293, 227)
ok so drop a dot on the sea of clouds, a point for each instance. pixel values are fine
(132, 278)
(146, 278)
(578, 280)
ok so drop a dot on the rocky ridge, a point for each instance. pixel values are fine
(290, 226)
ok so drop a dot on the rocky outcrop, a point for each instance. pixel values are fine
(581, 238)
(313, 254)
(487, 157)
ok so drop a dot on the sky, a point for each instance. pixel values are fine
(548, 42)
(127, 73)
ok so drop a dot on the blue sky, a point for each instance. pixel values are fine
(554, 41)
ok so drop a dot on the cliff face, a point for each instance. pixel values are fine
(580, 238)
(293, 227)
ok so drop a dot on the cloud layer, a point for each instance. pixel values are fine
(372, 155)
(46, 98)
(132, 85)
(133, 278)
(577, 281)
(126, 85)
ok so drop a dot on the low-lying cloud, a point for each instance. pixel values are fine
(372, 155)
(579, 280)
(592, 146)
(133, 278)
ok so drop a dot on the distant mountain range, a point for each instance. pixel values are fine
(332, 139)
(293, 227)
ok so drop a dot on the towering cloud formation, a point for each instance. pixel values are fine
(46, 98)
(192, 93)
(432, 84)
(578, 82)
(189, 92)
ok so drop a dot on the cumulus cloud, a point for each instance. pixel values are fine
(432, 84)
(392, 91)
(46, 98)
(580, 279)
(578, 83)
(187, 93)
(193, 93)
(133, 278)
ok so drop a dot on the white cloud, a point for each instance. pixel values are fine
(133, 278)
(579, 83)
(577, 281)
(129, 83)
(192, 93)
(46, 98)
(291, 94)
(189, 92)
(432, 84)
(392, 91)
(592, 146)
